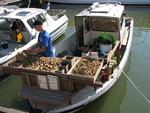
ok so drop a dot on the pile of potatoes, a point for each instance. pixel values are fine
(86, 67)
(39, 63)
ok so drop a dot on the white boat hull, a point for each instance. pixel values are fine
(100, 91)
(128, 2)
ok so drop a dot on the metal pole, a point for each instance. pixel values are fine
(29, 2)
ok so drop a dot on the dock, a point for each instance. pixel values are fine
(10, 110)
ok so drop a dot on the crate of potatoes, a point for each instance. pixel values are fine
(32, 64)
(86, 69)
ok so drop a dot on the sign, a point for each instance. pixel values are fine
(94, 55)
(53, 82)
(42, 82)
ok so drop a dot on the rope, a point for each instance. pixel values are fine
(147, 100)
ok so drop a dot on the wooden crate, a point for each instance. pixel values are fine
(20, 70)
(84, 78)
(11, 70)
(70, 59)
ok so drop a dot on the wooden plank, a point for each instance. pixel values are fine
(98, 84)
(39, 95)
(25, 80)
(33, 80)
(28, 81)
(98, 70)
(126, 36)
(64, 84)
(71, 85)
(47, 83)
(111, 53)
(70, 71)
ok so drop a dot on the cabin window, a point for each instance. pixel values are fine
(4, 24)
(104, 24)
(40, 17)
(31, 21)
(20, 25)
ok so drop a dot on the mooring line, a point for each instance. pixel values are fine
(135, 86)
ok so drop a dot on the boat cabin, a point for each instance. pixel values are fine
(99, 18)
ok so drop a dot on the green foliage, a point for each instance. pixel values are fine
(106, 38)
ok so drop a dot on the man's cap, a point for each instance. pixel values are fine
(36, 22)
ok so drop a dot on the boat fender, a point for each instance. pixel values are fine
(128, 21)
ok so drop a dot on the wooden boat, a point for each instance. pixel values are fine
(63, 90)
(126, 2)
(55, 23)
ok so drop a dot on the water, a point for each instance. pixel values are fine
(122, 97)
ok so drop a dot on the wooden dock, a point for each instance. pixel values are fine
(10, 110)
(3, 2)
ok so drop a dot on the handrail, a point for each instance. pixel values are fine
(56, 13)
(112, 2)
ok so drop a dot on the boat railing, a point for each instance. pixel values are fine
(110, 2)
(56, 13)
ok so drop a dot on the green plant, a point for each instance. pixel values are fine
(106, 38)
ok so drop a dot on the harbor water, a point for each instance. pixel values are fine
(122, 97)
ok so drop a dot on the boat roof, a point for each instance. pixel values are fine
(21, 13)
(104, 10)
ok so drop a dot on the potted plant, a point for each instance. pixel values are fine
(106, 41)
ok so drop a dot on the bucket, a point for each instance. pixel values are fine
(105, 47)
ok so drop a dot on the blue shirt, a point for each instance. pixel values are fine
(44, 40)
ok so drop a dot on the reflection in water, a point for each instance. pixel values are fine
(140, 14)
(139, 73)
(110, 102)
(9, 93)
